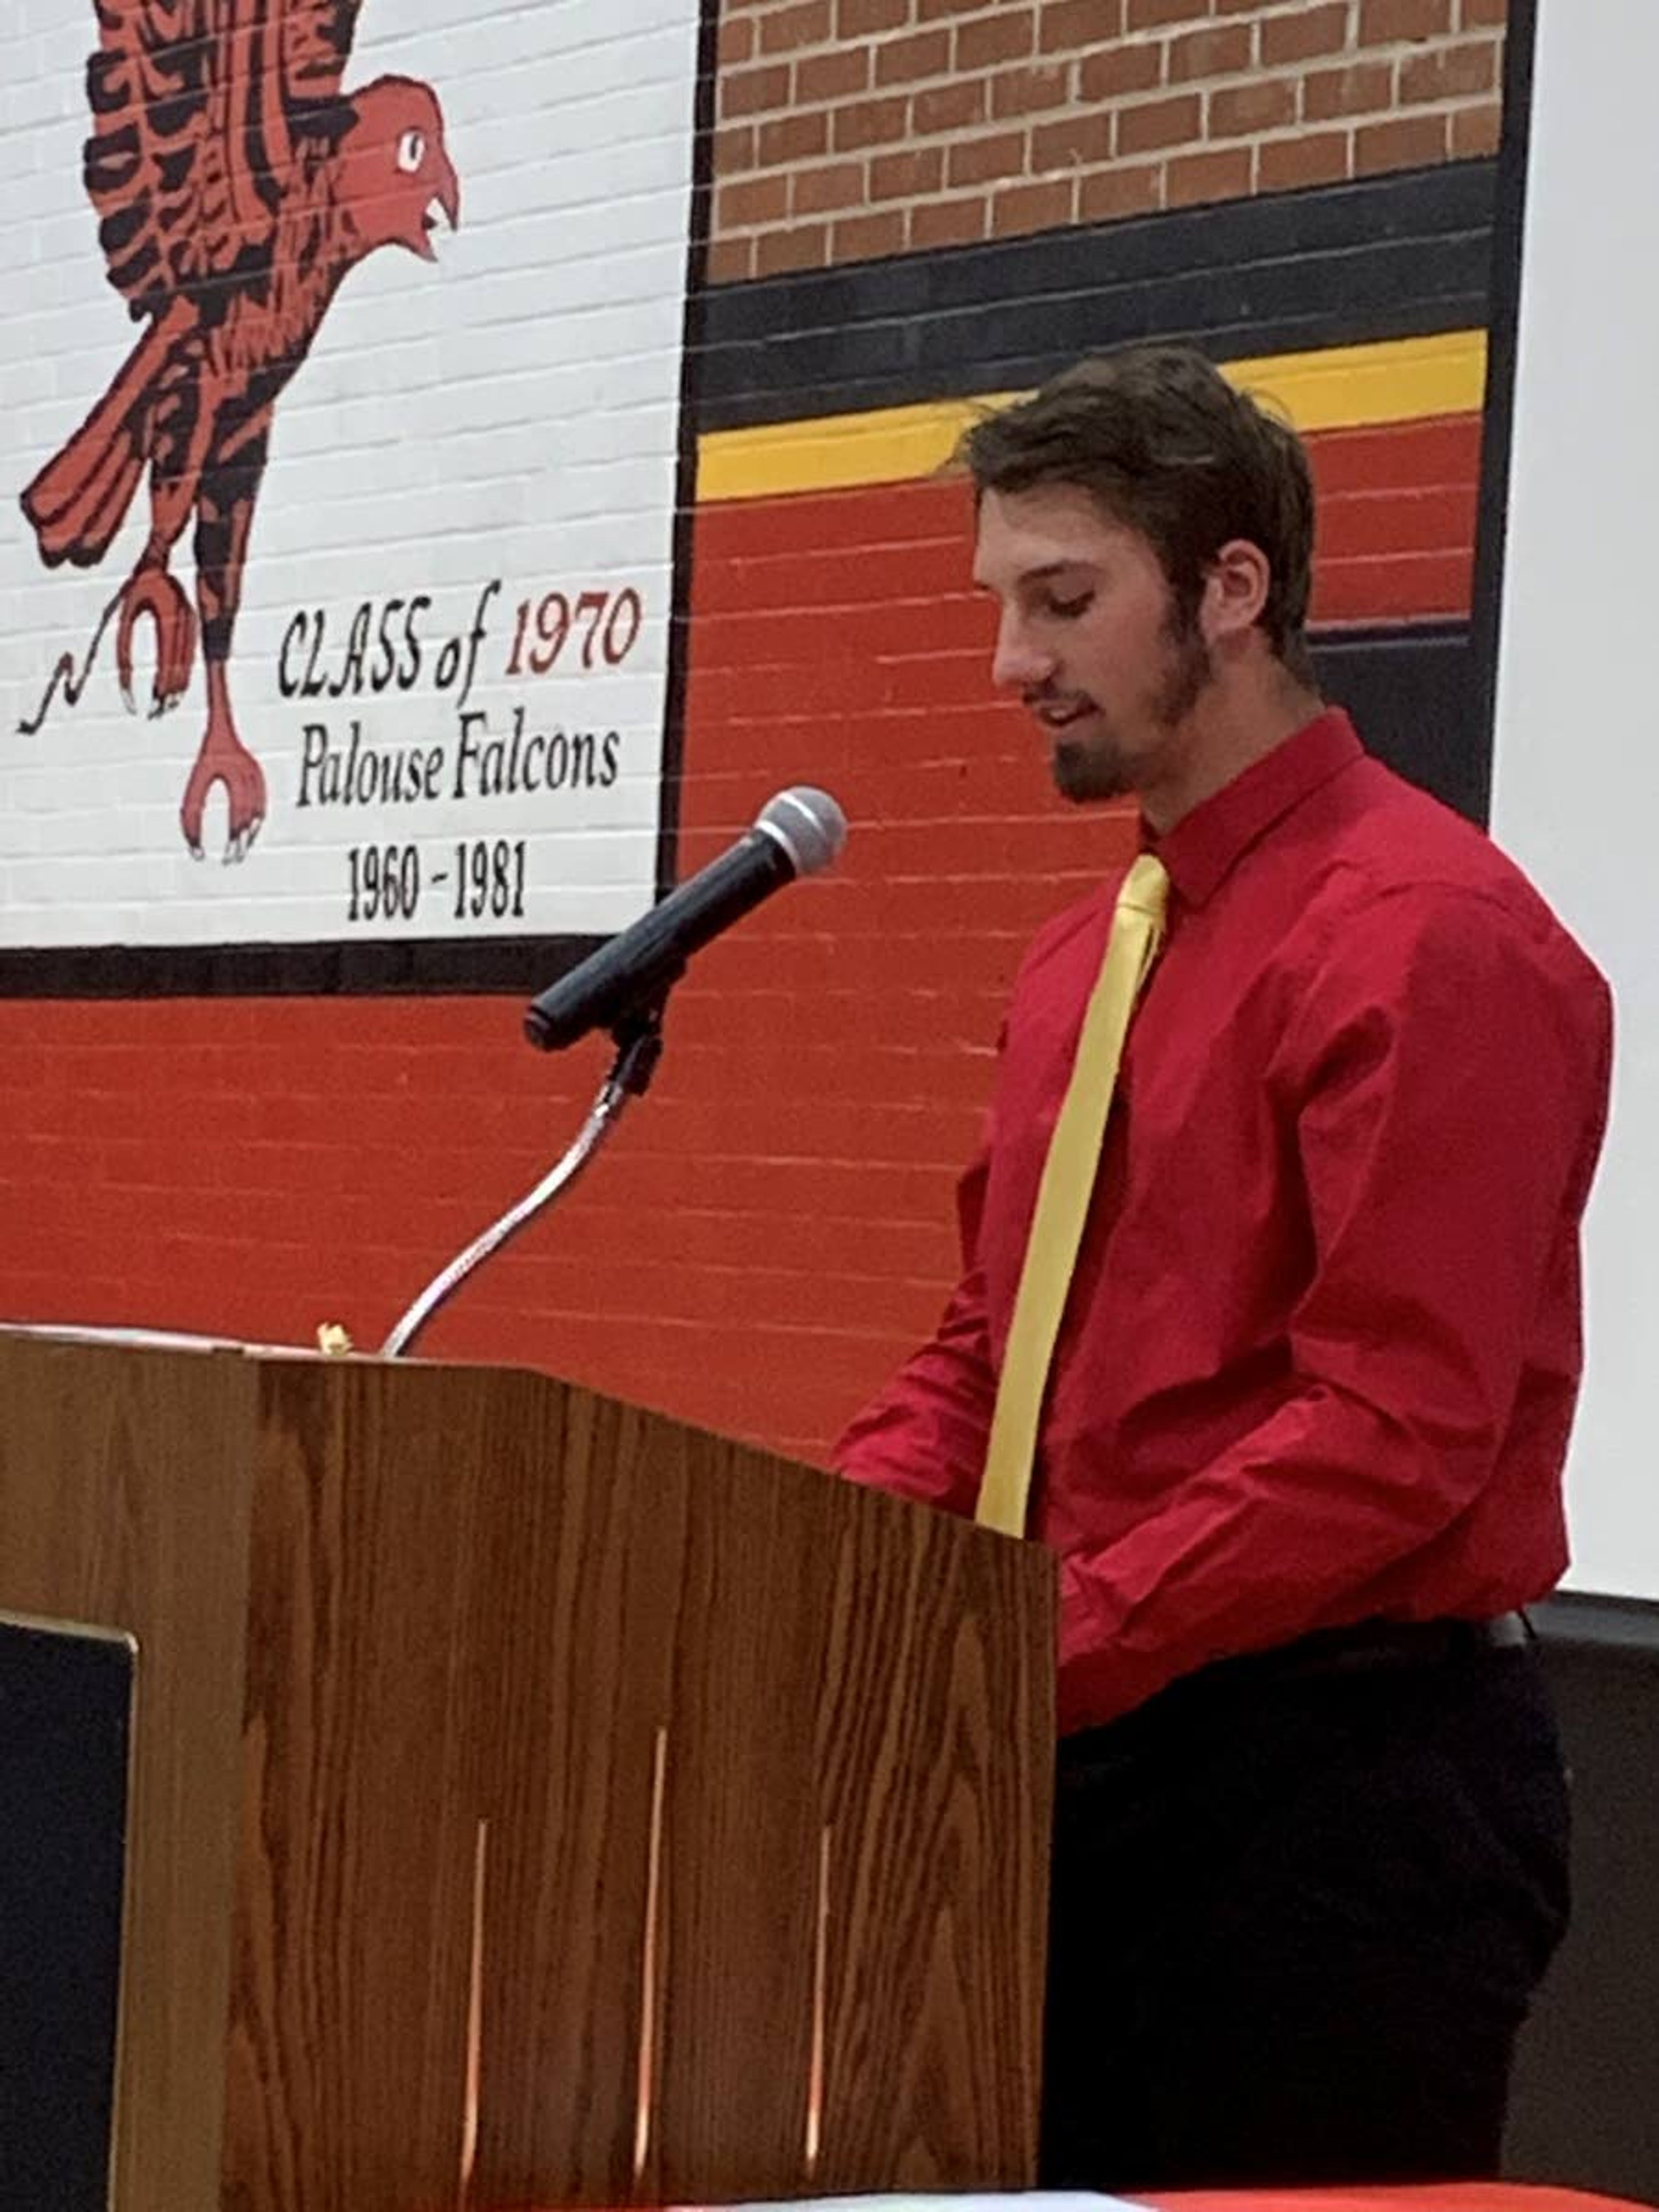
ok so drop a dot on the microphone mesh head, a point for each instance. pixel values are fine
(808, 824)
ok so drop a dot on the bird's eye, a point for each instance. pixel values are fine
(411, 151)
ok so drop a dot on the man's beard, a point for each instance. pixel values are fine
(1100, 769)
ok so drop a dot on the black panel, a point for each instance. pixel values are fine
(65, 1703)
(1585, 2106)
(1404, 255)
(1411, 694)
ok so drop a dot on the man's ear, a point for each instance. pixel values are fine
(1236, 588)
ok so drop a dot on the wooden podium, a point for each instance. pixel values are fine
(532, 1800)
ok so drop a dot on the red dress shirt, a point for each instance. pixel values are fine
(1322, 1344)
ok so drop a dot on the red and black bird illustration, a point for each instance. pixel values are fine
(236, 183)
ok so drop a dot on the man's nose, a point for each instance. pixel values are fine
(1020, 662)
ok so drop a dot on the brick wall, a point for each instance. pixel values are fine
(852, 128)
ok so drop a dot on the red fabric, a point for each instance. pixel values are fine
(1322, 1345)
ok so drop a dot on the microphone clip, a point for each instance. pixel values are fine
(637, 1036)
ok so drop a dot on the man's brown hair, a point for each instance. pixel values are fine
(1170, 449)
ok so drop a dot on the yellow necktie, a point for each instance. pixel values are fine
(1063, 1194)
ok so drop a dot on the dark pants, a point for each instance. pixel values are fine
(1300, 1904)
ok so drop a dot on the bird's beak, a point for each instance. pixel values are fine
(448, 194)
(447, 197)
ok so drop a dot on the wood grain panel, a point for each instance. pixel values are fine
(347, 2077)
(622, 1815)
(582, 1597)
(123, 1502)
(939, 1784)
(746, 1817)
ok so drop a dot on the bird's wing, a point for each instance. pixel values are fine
(190, 149)
(317, 37)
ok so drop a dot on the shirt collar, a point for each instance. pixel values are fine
(1203, 847)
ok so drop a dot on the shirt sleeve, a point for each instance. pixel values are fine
(924, 1436)
(1443, 1080)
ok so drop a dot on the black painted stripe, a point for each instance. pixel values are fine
(1402, 255)
(323, 968)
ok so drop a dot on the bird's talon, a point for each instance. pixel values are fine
(224, 763)
(150, 592)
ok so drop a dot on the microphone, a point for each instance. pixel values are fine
(796, 834)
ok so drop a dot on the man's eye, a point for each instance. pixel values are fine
(1067, 609)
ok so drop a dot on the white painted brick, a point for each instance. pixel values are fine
(511, 413)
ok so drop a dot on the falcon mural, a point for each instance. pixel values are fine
(236, 183)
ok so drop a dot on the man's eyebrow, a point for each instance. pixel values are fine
(1040, 573)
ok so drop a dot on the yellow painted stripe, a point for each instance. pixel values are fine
(1357, 388)
(1342, 388)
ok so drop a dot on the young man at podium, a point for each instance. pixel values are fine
(1268, 1324)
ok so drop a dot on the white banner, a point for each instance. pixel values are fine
(376, 515)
